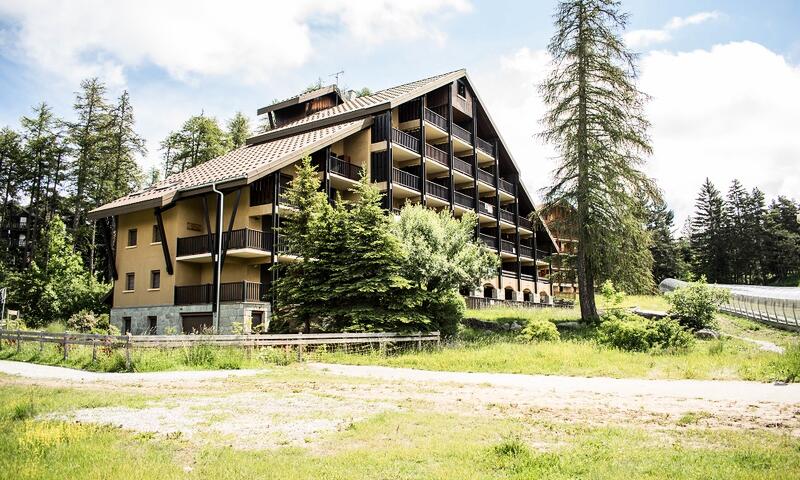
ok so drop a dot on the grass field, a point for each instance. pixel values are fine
(411, 443)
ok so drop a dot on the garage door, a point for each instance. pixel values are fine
(196, 322)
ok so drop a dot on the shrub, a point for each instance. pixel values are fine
(787, 367)
(696, 304)
(87, 321)
(627, 331)
(539, 330)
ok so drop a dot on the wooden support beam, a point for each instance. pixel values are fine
(423, 176)
(207, 218)
(163, 235)
(230, 227)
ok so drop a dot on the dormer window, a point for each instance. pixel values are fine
(461, 89)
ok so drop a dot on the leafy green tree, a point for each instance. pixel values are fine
(708, 237)
(56, 285)
(782, 241)
(442, 256)
(238, 129)
(199, 140)
(596, 121)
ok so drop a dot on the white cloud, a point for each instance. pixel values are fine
(724, 113)
(245, 40)
(644, 38)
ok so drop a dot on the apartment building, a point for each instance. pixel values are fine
(430, 142)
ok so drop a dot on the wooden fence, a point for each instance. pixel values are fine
(477, 303)
(129, 342)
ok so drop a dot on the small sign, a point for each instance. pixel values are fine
(195, 227)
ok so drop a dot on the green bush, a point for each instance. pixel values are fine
(630, 332)
(87, 321)
(696, 304)
(787, 367)
(539, 330)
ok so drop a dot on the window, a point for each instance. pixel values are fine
(461, 89)
(23, 221)
(22, 240)
(132, 237)
(156, 234)
(152, 325)
(126, 327)
(257, 322)
(155, 279)
(130, 281)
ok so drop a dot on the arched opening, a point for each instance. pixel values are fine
(488, 291)
(527, 296)
(544, 297)
(509, 293)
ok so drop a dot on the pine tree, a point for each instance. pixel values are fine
(122, 147)
(667, 259)
(756, 236)
(596, 122)
(782, 242)
(735, 236)
(88, 136)
(238, 130)
(708, 238)
(199, 140)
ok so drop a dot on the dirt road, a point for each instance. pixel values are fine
(298, 404)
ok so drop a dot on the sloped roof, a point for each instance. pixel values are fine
(238, 167)
(301, 97)
(360, 106)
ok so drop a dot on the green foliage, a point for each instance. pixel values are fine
(696, 304)
(666, 251)
(613, 298)
(87, 321)
(238, 129)
(199, 140)
(596, 122)
(631, 332)
(60, 287)
(538, 330)
(787, 367)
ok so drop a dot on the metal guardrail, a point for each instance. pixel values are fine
(776, 306)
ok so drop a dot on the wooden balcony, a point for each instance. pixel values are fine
(525, 223)
(408, 180)
(486, 209)
(243, 291)
(506, 186)
(405, 140)
(462, 166)
(488, 240)
(507, 216)
(485, 147)
(344, 168)
(485, 177)
(437, 155)
(436, 119)
(438, 191)
(240, 239)
(464, 200)
(462, 134)
(508, 247)
(525, 251)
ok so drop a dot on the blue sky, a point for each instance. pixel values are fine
(724, 76)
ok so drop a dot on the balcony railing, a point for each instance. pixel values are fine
(437, 155)
(240, 238)
(507, 246)
(541, 254)
(462, 133)
(344, 168)
(485, 146)
(439, 191)
(436, 119)
(486, 209)
(526, 276)
(405, 179)
(485, 177)
(506, 216)
(488, 240)
(506, 186)
(509, 274)
(462, 166)
(405, 140)
(243, 291)
(525, 251)
(525, 223)
(464, 200)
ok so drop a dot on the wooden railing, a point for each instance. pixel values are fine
(507, 246)
(243, 291)
(486, 209)
(485, 146)
(462, 133)
(405, 140)
(476, 303)
(436, 119)
(488, 240)
(506, 186)
(509, 274)
(404, 178)
(344, 168)
(240, 238)
(541, 254)
(525, 223)
(485, 177)
(464, 200)
(439, 191)
(507, 216)
(526, 276)
(462, 166)
(525, 251)
(437, 155)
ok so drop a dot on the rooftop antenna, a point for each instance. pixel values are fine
(336, 75)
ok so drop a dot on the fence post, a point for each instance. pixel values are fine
(300, 348)
(18, 341)
(382, 345)
(66, 346)
(94, 349)
(128, 352)
(41, 342)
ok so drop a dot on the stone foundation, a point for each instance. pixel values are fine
(168, 317)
